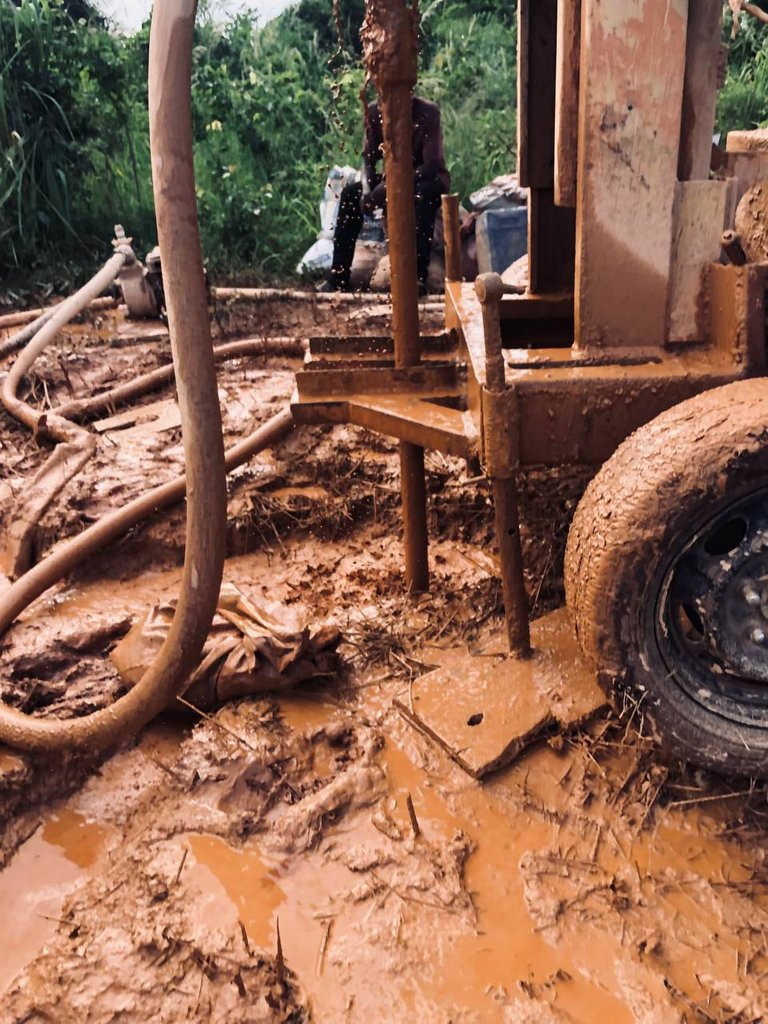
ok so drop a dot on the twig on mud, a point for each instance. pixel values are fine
(200, 989)
(244, 934)
(655, 793)
(596, 844)
(279, 960)
(627, 778)
(406, 898)
(58, 920)
(324, 945)
(177, 876)
(698, 1008)
(448, 622)
(412, 815)
(709, 799)
(545, 570)
(65, 374)
(167, 769)
(218, 724)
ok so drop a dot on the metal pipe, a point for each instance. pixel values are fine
(413, 489)
(490, 290)
(170, 62)
(452, 236)
(390, 46)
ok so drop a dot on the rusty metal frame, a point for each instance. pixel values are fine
(509, 382)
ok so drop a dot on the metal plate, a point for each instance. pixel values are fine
(485, 708)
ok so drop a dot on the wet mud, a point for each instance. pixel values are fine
(312, 857)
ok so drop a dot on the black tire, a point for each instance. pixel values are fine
(638, 523)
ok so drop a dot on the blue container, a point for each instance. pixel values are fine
(502, 238)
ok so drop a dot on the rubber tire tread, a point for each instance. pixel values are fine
(635, 511)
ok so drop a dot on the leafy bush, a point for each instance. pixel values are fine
(273, 109)
(743, 101)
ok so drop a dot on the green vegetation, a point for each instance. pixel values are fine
(274, 107)
(744, 99)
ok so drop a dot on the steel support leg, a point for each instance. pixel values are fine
(500, 466)
(414, 496)
(389, 36)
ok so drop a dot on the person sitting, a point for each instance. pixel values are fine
(430, 180)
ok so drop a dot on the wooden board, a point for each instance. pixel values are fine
(700, 89)
(536, 58)
(567, 100)
(701, 214)
(632, 73)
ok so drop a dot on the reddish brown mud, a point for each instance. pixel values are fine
(586, 882)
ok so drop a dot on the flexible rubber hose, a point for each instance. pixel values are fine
(72, 554)
(20, 338)
(170, 64)
(44, 334)
(81, 409)
(33, 317)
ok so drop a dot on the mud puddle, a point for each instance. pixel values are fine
(527, 898)
(48, 868)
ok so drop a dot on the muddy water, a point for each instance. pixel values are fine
(463, 970)
(399, 955)
(571, 903)
(54, 862)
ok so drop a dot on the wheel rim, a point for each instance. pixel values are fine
(712, 614)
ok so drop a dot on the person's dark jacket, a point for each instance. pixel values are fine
(427, 145)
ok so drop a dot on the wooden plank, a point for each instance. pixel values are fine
(536, 59)
(700, 89)
(701, 210)
(551, 245)
(632, 74)
(567, 100)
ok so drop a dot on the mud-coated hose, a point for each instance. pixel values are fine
(108, 529)
(48, 328)
(170, 62)
(33, 319)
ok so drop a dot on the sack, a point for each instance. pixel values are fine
(252, 648)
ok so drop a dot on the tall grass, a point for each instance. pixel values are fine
(273, 109)
(743, 101)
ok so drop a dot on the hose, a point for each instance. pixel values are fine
(170, 63)
(87, 408)
(33, 317)
(71, 554)
(75, 446)
(57, 427)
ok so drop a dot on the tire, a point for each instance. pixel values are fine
(677, 493)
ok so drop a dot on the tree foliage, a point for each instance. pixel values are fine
(273, 108)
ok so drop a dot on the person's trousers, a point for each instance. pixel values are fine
(350, 221)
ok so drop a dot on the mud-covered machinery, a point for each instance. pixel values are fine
(633, 308)
(639, 346)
